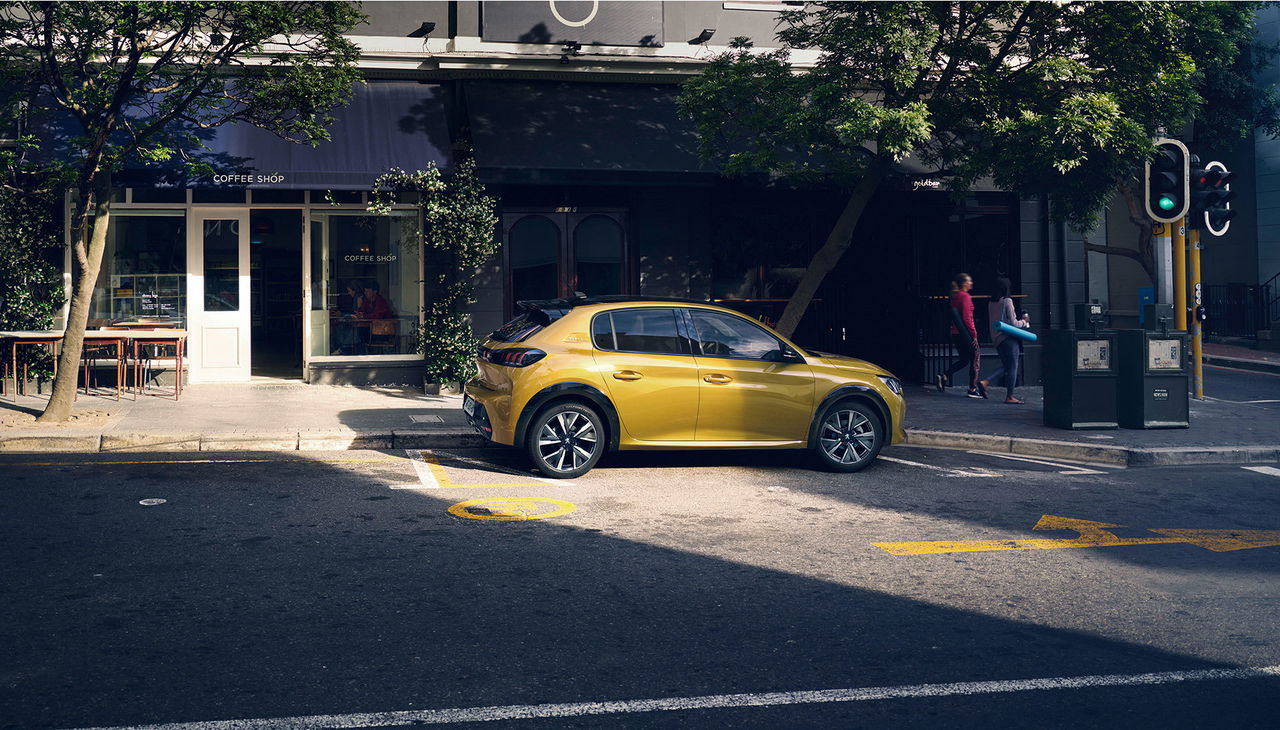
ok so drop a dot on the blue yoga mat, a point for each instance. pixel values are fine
(1018, 332)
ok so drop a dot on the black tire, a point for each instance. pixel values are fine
(565, 440)
(850, 436)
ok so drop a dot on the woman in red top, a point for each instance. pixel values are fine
(965, 336)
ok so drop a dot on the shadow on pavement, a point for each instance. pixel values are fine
(291, 586)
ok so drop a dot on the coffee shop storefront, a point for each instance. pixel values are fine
(273, 264)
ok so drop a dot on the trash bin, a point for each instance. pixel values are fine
(1080, 374)
(1154, 373)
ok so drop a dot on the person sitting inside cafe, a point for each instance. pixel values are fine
(373, 305)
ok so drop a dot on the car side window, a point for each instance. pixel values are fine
(723, 335)
(638, 330)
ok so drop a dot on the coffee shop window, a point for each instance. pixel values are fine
(144, 270)
(366, 284)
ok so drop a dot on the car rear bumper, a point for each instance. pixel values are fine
(478, 416)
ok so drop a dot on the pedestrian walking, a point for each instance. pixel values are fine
(1001, 309)
(965, 336)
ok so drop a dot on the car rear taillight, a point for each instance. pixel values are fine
(516, 357)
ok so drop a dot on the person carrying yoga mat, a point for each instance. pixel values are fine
(1001, 309)
(965, 336)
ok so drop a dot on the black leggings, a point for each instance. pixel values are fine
(969, 357)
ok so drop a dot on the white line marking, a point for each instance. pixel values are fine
(1270, 471)
(1070, 468)
(705, 702)
(949, 472)
(423, 469)
(493, 467)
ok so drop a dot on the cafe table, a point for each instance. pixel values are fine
(134, 338)
(15, 338)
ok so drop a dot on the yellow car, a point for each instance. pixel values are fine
(569, 379)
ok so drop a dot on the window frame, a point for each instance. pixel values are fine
(682, 331)
(566, 219)
(783, 347)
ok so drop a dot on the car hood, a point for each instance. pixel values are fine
(845, 362)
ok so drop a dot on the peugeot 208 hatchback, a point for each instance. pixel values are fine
(569, 379)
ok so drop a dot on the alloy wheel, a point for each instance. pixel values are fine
(567, 441)
(847, 436)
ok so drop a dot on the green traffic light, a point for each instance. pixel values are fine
(1166, 203)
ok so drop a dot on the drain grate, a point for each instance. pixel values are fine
(426, 419)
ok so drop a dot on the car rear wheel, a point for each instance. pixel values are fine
(565, 440)
(849, 437)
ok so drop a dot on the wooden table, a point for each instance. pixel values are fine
(118, 337)
(51, 338)
(158, 337)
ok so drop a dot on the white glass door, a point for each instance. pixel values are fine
(218, 295)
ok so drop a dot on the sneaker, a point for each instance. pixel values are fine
(941, 381)
(982, 388)
(974, 394)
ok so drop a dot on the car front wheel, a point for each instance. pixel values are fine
(849, 437)
(565, 440)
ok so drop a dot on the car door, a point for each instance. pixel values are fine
(648, 368)
(746, 391)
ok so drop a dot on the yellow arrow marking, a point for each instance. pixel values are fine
(1091, 534)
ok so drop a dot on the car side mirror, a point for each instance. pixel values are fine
(786, 354)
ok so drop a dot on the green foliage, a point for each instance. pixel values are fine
(458, 238)
(1057, 99)
(31, 290)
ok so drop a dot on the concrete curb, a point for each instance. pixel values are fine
(1240, 363)
(334, 440)
(1096, 453)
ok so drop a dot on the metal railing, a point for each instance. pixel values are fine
(1238, 310)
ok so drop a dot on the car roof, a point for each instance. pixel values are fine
(566, 304)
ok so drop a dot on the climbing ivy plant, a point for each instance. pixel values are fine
(457, 238)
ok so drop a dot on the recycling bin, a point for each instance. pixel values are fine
(1080, 376)
(1154, 378)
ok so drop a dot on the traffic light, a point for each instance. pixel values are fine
(1166, 181)
(1211, 198)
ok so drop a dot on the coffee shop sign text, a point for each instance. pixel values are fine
(249, 179)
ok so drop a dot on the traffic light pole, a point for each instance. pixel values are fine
(1179, 274)
(1197, 327)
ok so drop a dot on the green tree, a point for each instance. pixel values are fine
(1054, 99)
(458, 238)
(141, 80)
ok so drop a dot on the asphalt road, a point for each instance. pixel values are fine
(322, 586)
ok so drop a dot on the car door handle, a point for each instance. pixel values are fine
(627, 375)
(717, 379)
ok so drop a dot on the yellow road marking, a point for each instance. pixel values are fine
(110, 462)
(508, 509)
(1092, 534)
(437, 477)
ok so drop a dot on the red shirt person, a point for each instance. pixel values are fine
(964, 334)
(373, 305)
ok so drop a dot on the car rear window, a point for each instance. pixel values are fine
(522, 327)
(638, 330)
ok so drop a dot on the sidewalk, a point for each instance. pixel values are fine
(1243, 358)
(1234, 424)
(269, 415)
(1237, 424)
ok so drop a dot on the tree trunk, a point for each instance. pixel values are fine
(89, 256)
(829, 255)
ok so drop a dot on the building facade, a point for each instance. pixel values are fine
(569, 110)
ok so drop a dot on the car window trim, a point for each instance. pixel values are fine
(685, 342)
(693, 338)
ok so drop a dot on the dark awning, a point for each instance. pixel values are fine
(387, 124)
(580, 127)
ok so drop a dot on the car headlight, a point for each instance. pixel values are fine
(891, 383)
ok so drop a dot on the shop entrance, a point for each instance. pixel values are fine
(218, 295)
(275, 256)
